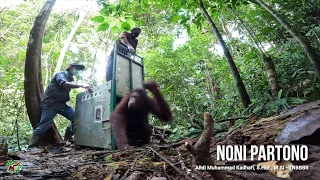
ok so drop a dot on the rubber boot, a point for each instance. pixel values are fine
(69, 133)
(33, 144)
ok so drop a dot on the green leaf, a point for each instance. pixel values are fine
(140, 11)
(179, 2)
(181, 11)
(217, 126)
(168, 88)
(115, 29)
(188, 29)
(131, 22)
(97, 19)
(194, 130)
(245, 2)
(145, 5)
(139, 23)
(104, 11)
(125, 26)
(175, 18)
(108, 159)
(103, 27)
(128, 16)
(234, 3)
(175, 130)
(113, 7)
(122, 19)
(215, 17)
(184, 20)
(293, 100)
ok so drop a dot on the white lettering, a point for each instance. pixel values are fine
(254, 151)
(304, 153)
(270, 153)
(229, 153)
(295, 152)
(286, 153)
(262, 153)
(221, 153)
(201, 167)
(278, 147)
(211, 167)
(240, 153)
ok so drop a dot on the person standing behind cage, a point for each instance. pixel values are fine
(128, 39)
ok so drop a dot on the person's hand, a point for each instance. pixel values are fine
(88, 88)
(151, 85)
(131, 49)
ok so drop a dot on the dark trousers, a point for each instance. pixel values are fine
(47, 116)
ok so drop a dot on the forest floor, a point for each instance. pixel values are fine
(297, 126)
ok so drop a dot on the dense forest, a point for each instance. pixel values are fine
(244, 71)
(241, 58)
(232, 58)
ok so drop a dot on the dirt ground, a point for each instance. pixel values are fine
(87, 164)
(158, 163)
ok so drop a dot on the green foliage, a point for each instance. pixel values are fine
(126, 26)
(115, 29)
(103, 27)
(285, 102)
(98, 19)
(108, 159)
(113, 13)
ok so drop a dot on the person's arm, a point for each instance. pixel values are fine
(124, 40)
(62, 81)
(73, 85)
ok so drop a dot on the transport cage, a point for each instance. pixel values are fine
(92, 111)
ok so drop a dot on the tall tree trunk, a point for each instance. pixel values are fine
(272, 76)
(307, 48)
(267, 60)
(33, 86)
(68, 41)
(242, 89)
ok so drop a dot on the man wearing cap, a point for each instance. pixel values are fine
(128, 39)
(54, 102)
